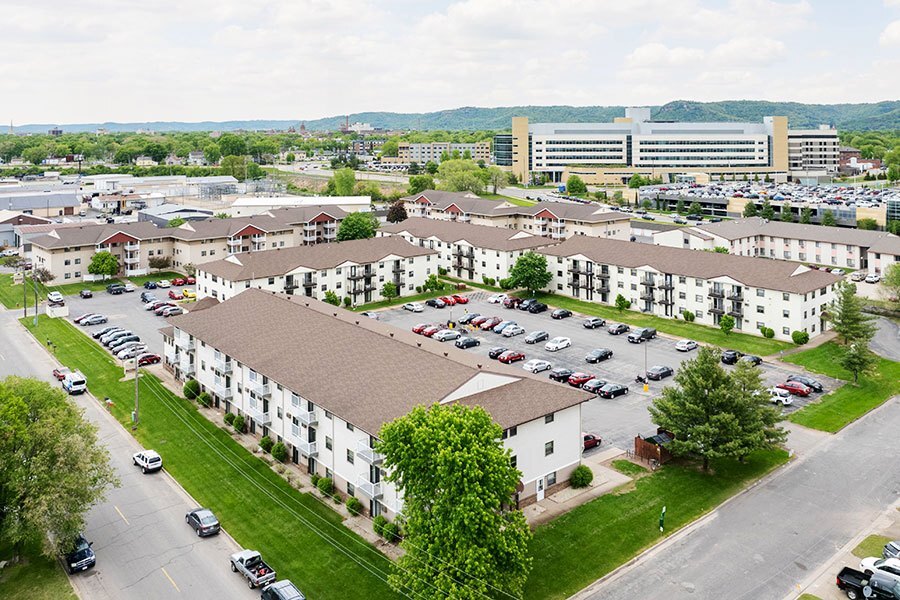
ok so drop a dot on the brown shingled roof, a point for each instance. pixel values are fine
(481, 236)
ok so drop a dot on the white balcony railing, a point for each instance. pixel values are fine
(329, 235)
(368, 454)
(133, 259)
(307, 418)
(222, 391)
(257, 414)
(557, 224)
(186, 366)
(258, 387)
(184, 342)
(223, 366)
(304, 446)
(369, 489)
(131, 246)
(309, 227)
(234, 241)
(558, 235)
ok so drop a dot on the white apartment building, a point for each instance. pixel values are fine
(282, 362)
(433, 151)
(669, 281)
(837, 247)
(355, 269)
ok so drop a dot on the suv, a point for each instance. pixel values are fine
(593, 322)
(74, 383)
(115, 289)
(641, 335)
(282, 590)
(537, 307)
(55, 299)
(730, 357)
(81, 557)
(147, 460)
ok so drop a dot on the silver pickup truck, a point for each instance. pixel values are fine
(250, 564)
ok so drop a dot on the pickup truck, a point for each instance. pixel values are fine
(250, 564)
(858, 585)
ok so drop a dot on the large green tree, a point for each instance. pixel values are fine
(458, 175)
(496, 177)
(530, 272)
(695, 208)
(232, 145)
(461, 539)
(390, 148)
(52, 466)
(575, 185)
(357, 226)
(419, 183)
(857, 359)
(212, 154)
(768, 211)
(786, 214)
(806, 215)
(891, 280)
(104, 263)
(847, 318)
(750, 209)
(344, 182)
(828, 219)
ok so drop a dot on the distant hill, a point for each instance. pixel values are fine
(880, 115)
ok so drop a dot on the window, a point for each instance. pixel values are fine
(271, 281)
(551, 479)
(327, 415)
(785, 296)
(278, 411)
(77, 274)
(350, 456)
(682, 296)
(350, 487)
(203, 253)
(633, 287)
(760, 293)
(682, 279)
(77, 261)
(760, 324)
(548, 448)
(68, 276)
(548, 418)
(328, 443)
(786, 314)
(68, 262)
(761, 310)
(510, 432)
(351, 427)
(513, 461)
(698, 298)
(785, 331)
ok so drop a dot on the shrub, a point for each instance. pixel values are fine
(266, 443)
(191, 389)
(688, 316)
(378, 524)
(204, 399)
(354, 506)
(239, 423)
(581, 477)
(347, 301)
(326, 486)
(229, 418)
(484, 280)
(314, 478)
(442, 271)
(506, 284)
(279, 452)
(491, 281)
(391, 532)
(767, 332)
(418, 289)
(800, 337)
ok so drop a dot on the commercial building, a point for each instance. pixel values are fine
(160, 215)
(245, 206)
(51, 203)
(9, 220)
(667, 282)
(355, 269)
(282, 362)
(434, 151)
(813, 154)
(853, 249)
(609, 153)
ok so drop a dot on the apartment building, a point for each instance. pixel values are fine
(667, 281)
(355, 269)
(282, 362)
(66, 251)
(434, 151)
(556, 220)
(853, 249)
(468, 251)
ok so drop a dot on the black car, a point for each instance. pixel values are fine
(595, 356)
(150, 285)
(282, 590)
(464, 320)
(86, 294)
(435, 303)
(147, 297)
(561, 313)
(203, 521)
(593, 322)
(753, 360)
(658, 372)
(496, 352)
(561, 374)
(618, 329)
(81, 557)
(593, 385)
(99, 334)
(715, 219)
(694, 217)
(526, 304)
(729, 357)
(809, 382)
(467, 342)
(115, 289)
(537, 307)
(611, 390)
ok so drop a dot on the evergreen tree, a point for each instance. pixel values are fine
(846, 316)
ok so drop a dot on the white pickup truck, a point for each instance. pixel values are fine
(250, 564)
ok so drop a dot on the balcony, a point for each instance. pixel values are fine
(736, 311)
(557, 225)
(648, 282)
(309, 283)
(186, 366)
(463, 218)
(259, 388)
(307, 417)
(185, 343)
(667, 285)
(716, 293)
(558, 235)
(234, 242)
(309, 239)
(736, 297)
(132, 246)
(306, 448)
(223, 366)
(398, 268)
(574, 282)
(133, 259)
(257, 414)
(309, 227)
(602, 289)
(360, 275)
(648, 295)
(369, 489)
(666, 301)
(258, 237)
(221, 390)
(719, 310)
(364, 452)
(330, 235)
(461, 264)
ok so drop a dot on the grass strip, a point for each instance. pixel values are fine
(35, 576)
(11, 295)
(871, 546)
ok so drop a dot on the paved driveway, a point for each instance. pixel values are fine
(618, 420)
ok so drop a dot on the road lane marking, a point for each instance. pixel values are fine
(172, 581)
(121, 515)
(2, 357)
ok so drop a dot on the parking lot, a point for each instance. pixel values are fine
(617, 420)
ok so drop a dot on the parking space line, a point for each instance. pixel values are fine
(121, 515)
(172, 581)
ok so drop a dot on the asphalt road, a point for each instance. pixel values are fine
(886, 342)
(618, 420)
(144, 549)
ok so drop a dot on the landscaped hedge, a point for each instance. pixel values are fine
(326, 486)
(240, 424)
(266, 443)
(581, 477)
(354, 506)
(204, 399)
(229, 418)
(800, 337)
(279, 452)
(191, 389)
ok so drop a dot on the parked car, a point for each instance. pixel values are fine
(779, 396)
(593, 322)
(611, 390)
(499, 327)
(145, 296)
(600, 354)
(179, 281)
(730, 357)
(491, 323)
(511, 356)
(74, 383)
(86, 294)
(431, 330)
(419, 328)
(448, 300)
(536, 336)
(809, 382)
(190, 281)
(150, 285)
(561, 374)
(658, 372)
(536, 365)
(857, 585)
(561, 313)
(537, 307)
(590, 440)
(149, 359)
(891, 550)
(94, 320)
(188, 293)
(467, 318)
(149, 299)
(415, 307)
(128, 352)
(174, 295)
(618, 329)
(512, 330)
(467, 342)
(641, 335)
(479, 320)
(282, 590)
(753, 360)
(557, 343)
(202, 521)
(435, 303)
(497, 298)
(496, 351)
(61, 372)
(55, 298)
(119, 343)
(108, 339)
(77, 320)
(147, 460)
(873, 278)
(795, 387)
(99, 334)
(81, 557)
(460, 299)
(171, 311)
(593, 385)
(249, 563)
(578, 379)
(446, 335)
(161, 307)
(857, 276)
(526, 304)
(686, 345)
(163, 283)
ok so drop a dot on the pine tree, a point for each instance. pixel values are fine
(846, 316)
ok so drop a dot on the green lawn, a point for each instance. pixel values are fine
(475, 284)
(303, 538)
(405, 299)
(808, 597)
(139, 280)
(748, 344)
(595, 538)
(871, 546)
(11, 295)
(846, 404)
(35, 576)
(510, 199)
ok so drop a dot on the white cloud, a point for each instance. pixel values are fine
(891, 34)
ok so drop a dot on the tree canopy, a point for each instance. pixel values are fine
(390, 148)
(344, 182)
(530, 272)
(575, 185)
(397, 212)
(357, 226)
(847, 318)
(461, 176)
(420, 183)
(104, 263)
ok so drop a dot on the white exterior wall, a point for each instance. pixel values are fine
(700, 150)
(880, 261)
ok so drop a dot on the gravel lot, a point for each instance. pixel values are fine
(618, 420)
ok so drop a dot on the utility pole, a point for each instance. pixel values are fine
(34, 281)
(135, 415)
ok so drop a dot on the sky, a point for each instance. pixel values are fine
(195, 60)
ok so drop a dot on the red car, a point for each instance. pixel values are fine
(579, 379)
(491, 323)
(591, 441)
(430, 330)
(511, 356)
(61, 373)
(178, 281)
(448, 300)
(175, 295)
(190, 281)
(460, 299)
(478, 321)
(149, 359)
(795, 387)
(420, 327)
(512, 302)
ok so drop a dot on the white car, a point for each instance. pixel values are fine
(837, 271)
(780, 396)
(873, 278)
(557, 343)
(163, 283)
(497, 298)
(887, 566)
(414, 307)
(512, 330)
(536, 365)
(147, 460)
(445, 335)
(55, 297)
(686, 345)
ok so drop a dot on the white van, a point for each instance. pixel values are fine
(74, 383)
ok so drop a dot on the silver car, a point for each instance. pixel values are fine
(513, 330)
(445, 335)
(536, 336)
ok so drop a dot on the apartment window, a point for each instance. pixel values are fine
(551, 479)
(699, 283)
(760, 293)
(785, 296)
(786, 314)
(77, 274)
(68, 276)
(559, 286)
(620, 285)
(67, 262)
(785, 331)
(278, 412)
(699, 314)
(327, 415)
(682, 279)
(698, 298)
(620, 270)
(350, 456)
(203, 253)
(77, 261)
(351, 427)
(513, 461)
(211, 252)
(351, 489)
(548, 418)
(337, 271)
(760, 324)
(548, 448)
(328, 443)
(682, 296)
(633, 287)
(510, 432)
(271, 281)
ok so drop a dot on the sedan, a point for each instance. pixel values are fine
(162, 308)
(150, 285)
(479, 320)
(560, 374)
(154, 305)
(593, 322)
(86, 294)
(102, 332)
(431, 330)
(659, 372)
(496, 352)
(435, 303)
(77, 320)
(61, 372)
(527, 303)
(686, 345)
(874, 278)
(611, 390)
(537, 307)
(420, 327)
(445, 335)
(579, 379)
(511, 356)
(618, 328)
(172, 311)
(179, 281)
(203, 521)
(591, 440)
(729, 357)
(460, 299)
(561, 313)
(163, 283)
(513, 330)
(175, 295)
(497, 298)
(467, 318)
(809, 382)
(413, 307)
(467, 342)
(595, 356)
(753, 360)
(131, 351)
(557, 343)
(536, 365)
(149, 299)
(190, 281)
(593, 386)
(448, 300)
(536, 336)
(491, 323)
(94, 320)
(55, 298)
(499, 327)
(795, 387)
(149, 359)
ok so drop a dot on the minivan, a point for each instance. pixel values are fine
(74, 383)
(641, 335)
